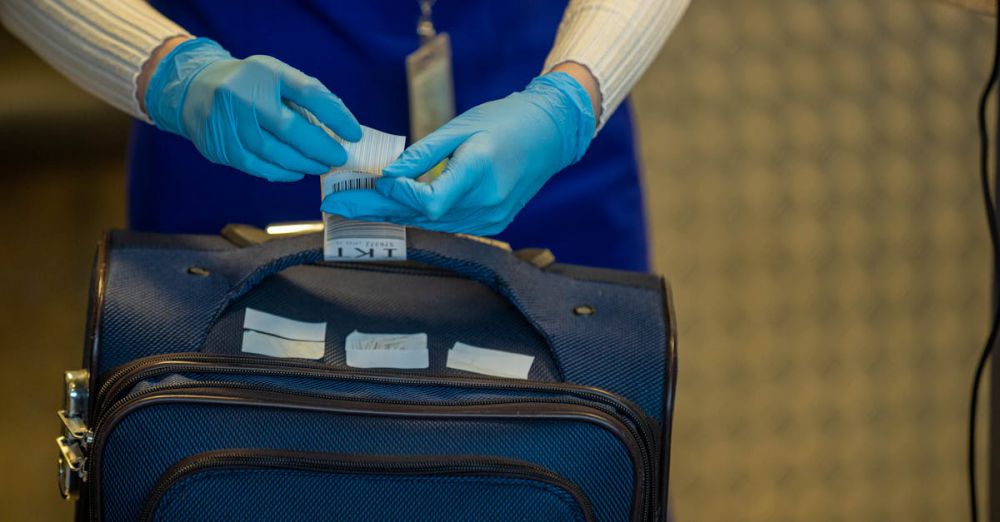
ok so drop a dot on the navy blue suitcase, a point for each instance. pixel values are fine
(172, 420)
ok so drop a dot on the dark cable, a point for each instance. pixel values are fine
(984, 179)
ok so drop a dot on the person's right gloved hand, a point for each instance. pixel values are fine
(236, 112)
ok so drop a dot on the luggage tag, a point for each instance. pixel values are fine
(349, 240)
(429, 82)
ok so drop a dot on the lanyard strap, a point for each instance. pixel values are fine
(425, 25)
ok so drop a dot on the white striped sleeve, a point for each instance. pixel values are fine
(101, 45)
(616, 40)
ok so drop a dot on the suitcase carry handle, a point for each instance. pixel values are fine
(496, 268)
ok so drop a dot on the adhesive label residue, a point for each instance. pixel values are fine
(276, 336)
(489, 362)
(404, 351)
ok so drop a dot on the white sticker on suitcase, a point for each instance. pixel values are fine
(489, 362)
(404, 351)
(276, 336)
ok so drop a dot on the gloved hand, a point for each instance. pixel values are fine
(501, 153)
(236, 112)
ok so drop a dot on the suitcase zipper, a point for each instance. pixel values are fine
(642, 505)
(148, 367)
(325, 462)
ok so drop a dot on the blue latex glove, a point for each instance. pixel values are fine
(236, 111)
(501, 153)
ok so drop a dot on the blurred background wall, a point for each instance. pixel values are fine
(811, 175)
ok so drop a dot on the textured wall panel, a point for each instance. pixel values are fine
(811, 171)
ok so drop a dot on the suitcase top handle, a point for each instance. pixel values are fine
(496, 268)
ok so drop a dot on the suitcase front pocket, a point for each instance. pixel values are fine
(587, 446)
(260, 484)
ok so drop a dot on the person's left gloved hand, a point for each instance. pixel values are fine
(500, 154)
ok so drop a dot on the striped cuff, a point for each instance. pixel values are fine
(101, 45)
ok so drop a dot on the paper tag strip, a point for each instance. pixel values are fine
(489, 362)
(347, 240)
(276, 336)
(407, 351)
(371, 153)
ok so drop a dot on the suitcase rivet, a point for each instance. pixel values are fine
(585, 310)
(198, 271)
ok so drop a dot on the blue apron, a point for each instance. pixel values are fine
(590, 213)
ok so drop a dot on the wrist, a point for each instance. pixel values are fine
(142, 82)
(168, 84)
(574, 117)
(582, 75)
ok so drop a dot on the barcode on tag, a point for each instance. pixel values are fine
(341, 181)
